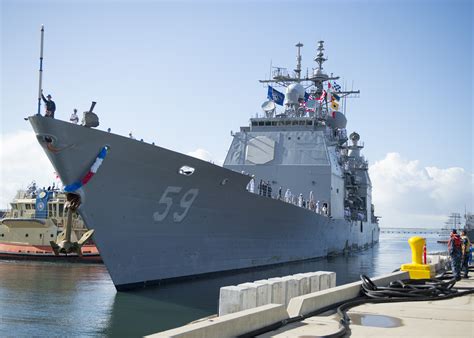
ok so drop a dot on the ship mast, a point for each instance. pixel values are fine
(298, 61)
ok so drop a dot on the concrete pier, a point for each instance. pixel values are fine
(441, 318)
(437, 318)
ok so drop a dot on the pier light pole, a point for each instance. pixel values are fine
(40, 71)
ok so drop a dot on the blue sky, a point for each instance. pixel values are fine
(184, 73)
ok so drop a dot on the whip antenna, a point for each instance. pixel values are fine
(40, 70)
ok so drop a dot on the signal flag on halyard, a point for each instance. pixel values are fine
(275, 95)
(336, 87)
(335, 97)
(321, 98)
(334, 105)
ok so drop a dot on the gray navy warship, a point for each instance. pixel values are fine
(293, 187)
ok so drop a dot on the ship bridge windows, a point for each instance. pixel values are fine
(61, 209)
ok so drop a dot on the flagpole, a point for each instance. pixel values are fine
(40, 71)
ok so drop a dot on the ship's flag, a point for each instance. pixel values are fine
(335, 97)
(275, 95)
(41, 205)
(337, 88)
(334, 105)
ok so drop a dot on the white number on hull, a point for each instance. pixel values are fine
(185, 203)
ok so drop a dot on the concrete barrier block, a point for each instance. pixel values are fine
(323, 280)
(314, 281)
(264, 292)
(433, 259)
(292, 288)
(314, 301)
(249, 296)
(230, 300)
(278, 290)
(230, 325)
(304, 283)
(331, 279)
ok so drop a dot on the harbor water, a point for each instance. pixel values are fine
(53, 299)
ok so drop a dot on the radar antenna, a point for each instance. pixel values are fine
(320, 56)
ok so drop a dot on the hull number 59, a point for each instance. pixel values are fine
(171, 196)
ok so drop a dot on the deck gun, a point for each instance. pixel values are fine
(90, 119)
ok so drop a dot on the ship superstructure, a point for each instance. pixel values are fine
(293, 187)
(304, 150)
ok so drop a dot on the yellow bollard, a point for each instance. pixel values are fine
(416, 244)
(416, 268)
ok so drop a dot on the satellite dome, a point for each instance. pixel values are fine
(294, 92)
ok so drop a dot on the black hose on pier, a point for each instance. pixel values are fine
(410, 290)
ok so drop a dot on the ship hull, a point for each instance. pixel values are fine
(153, 223)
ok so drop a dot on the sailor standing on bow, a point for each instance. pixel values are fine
(74, 118)
(50, 105)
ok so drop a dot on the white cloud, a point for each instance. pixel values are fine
(22, 160)
(204, 155)
(407, 194)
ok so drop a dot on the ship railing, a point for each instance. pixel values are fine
(264, 189)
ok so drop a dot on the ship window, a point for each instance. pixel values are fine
(26, 235)
(260, 123)
(224, 181)
(287, 123)
(302, 123)
(274, 123)
(309, 123)
(186, 170)
(41, 235)
(254, 123)
(298, 137)
(52, 235)
(289, 137)
(3, 235)
(294, 123)
(61, 209)
(27, 206)
(268, 123)
(337, 190)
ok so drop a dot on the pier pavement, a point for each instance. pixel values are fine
(441, 318)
